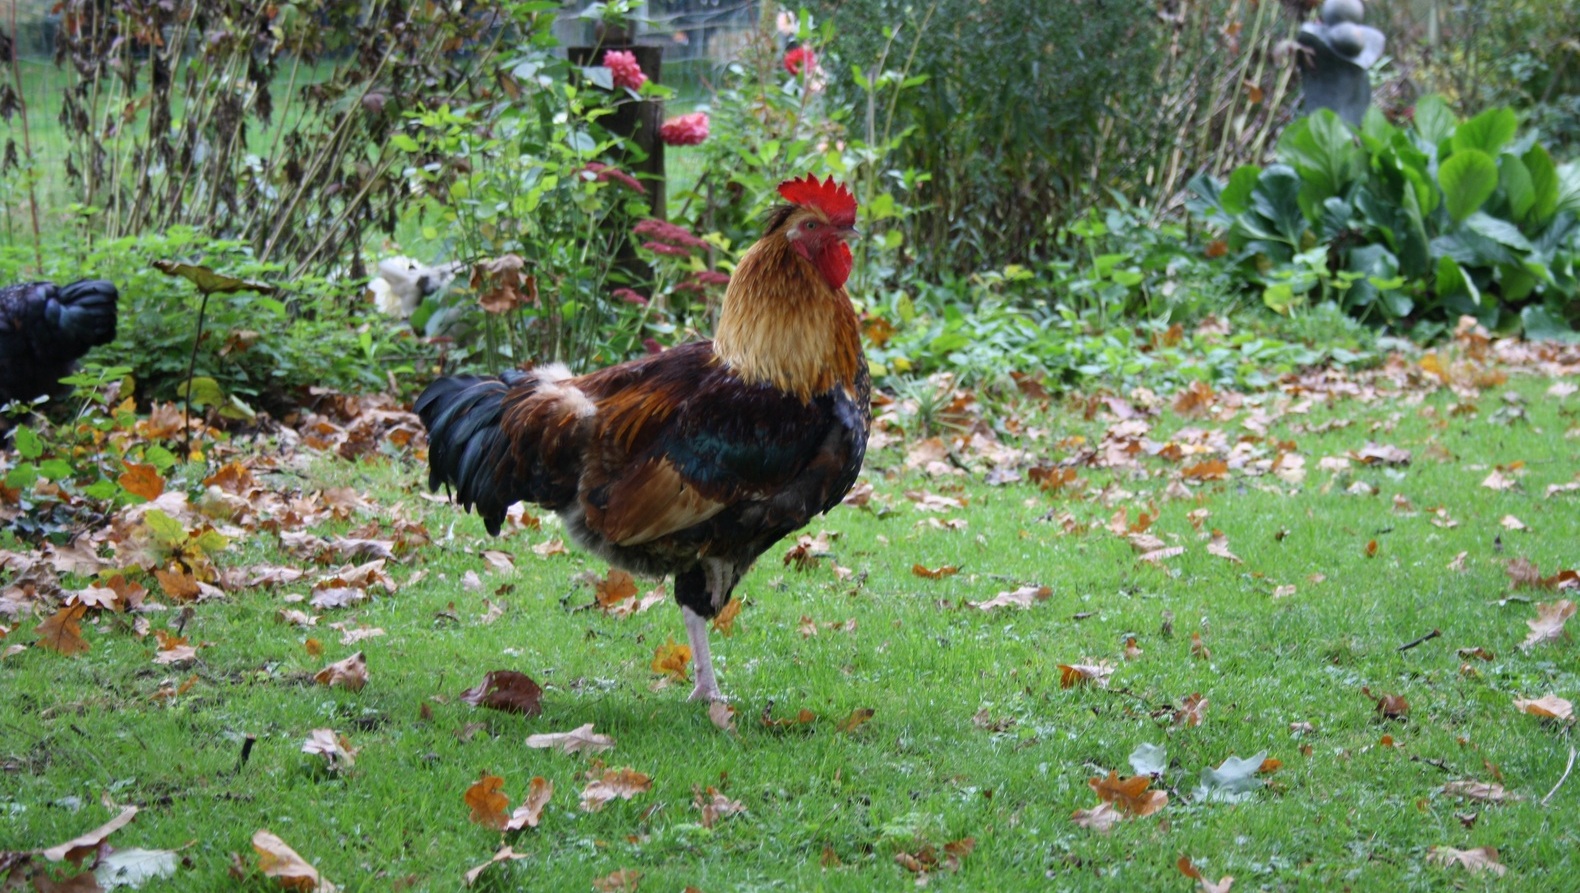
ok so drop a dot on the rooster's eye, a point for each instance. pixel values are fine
(810, 224)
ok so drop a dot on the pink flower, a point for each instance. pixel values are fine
(666, 248)
(652, 345)
(800, 58)
(700, 281)
(686, 130)
(603, 173)
(664, 231)
(630, 296)
(623, 65)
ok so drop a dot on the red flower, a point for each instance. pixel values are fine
(603, 173)
(623, 65)
(686, 130)
(630, 296)
(799, 59)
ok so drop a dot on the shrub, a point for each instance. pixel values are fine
(260, 122)
(1408, 225)
(260, 352)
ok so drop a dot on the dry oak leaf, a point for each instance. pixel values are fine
(84, 845)
(506, 690)
(350, 674)
(174, 656)
(1158, 556)
(1211, 470)
(724, 621)
(1191, 711)
(622, 881)
(1100, 818)
(1206, 886)
(279, 861)
(142, 480)
(1072, 675)
(1220, 548)
(615, 587)
(502, 562)
(487, 802)
(672, 660)
(530, 812)
(505, 854)
(1549, 623)
(607, 784)
(1478, 790)
(1475, 861)
(1548, 706)
(804, 717)
(333, 747)
(1497, 480)
(1381, 454)
(1129, 795)
(62, 631)
(1023, 597)
(947, 570)
(554, 546)
(714, 805)
(1391, 706)
(581, 739)
(721, 714)
(1198, 648)
(856, 718)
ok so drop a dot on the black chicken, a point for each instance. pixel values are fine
(45, 328)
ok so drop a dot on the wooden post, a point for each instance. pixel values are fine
(636, 121)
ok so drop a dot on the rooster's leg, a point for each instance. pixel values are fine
(707, 688)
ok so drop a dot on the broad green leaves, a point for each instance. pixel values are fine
(1420, 223)
(1468, 179)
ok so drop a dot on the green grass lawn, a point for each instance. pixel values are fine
(972, 736)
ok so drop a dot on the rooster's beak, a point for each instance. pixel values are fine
(850, 234)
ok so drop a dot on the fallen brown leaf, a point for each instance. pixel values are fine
(506, 690)
(607, 784)
(714, 805)
(856, 718)
(333, 747)
(487, 802)
(672, 661)
(84, 845)
(622, 881)
(1548, 706)
(581, 739)
(62, 631)
(1475, 861)
(530, 812)
(505, 854)
(279, 861)
(350, 674)
(1548, 626)
(1072, 675)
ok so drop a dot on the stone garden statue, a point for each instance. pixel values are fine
(1338, 50)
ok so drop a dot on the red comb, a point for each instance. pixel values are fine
(834, 200)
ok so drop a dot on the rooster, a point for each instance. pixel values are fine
(694, 461)
(45, 328)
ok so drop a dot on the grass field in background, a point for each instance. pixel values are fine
(972, 735)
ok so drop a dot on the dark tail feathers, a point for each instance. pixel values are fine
(84, 312)
(468, 450)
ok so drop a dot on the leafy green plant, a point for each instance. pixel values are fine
(257, 352)
(1412, 225)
